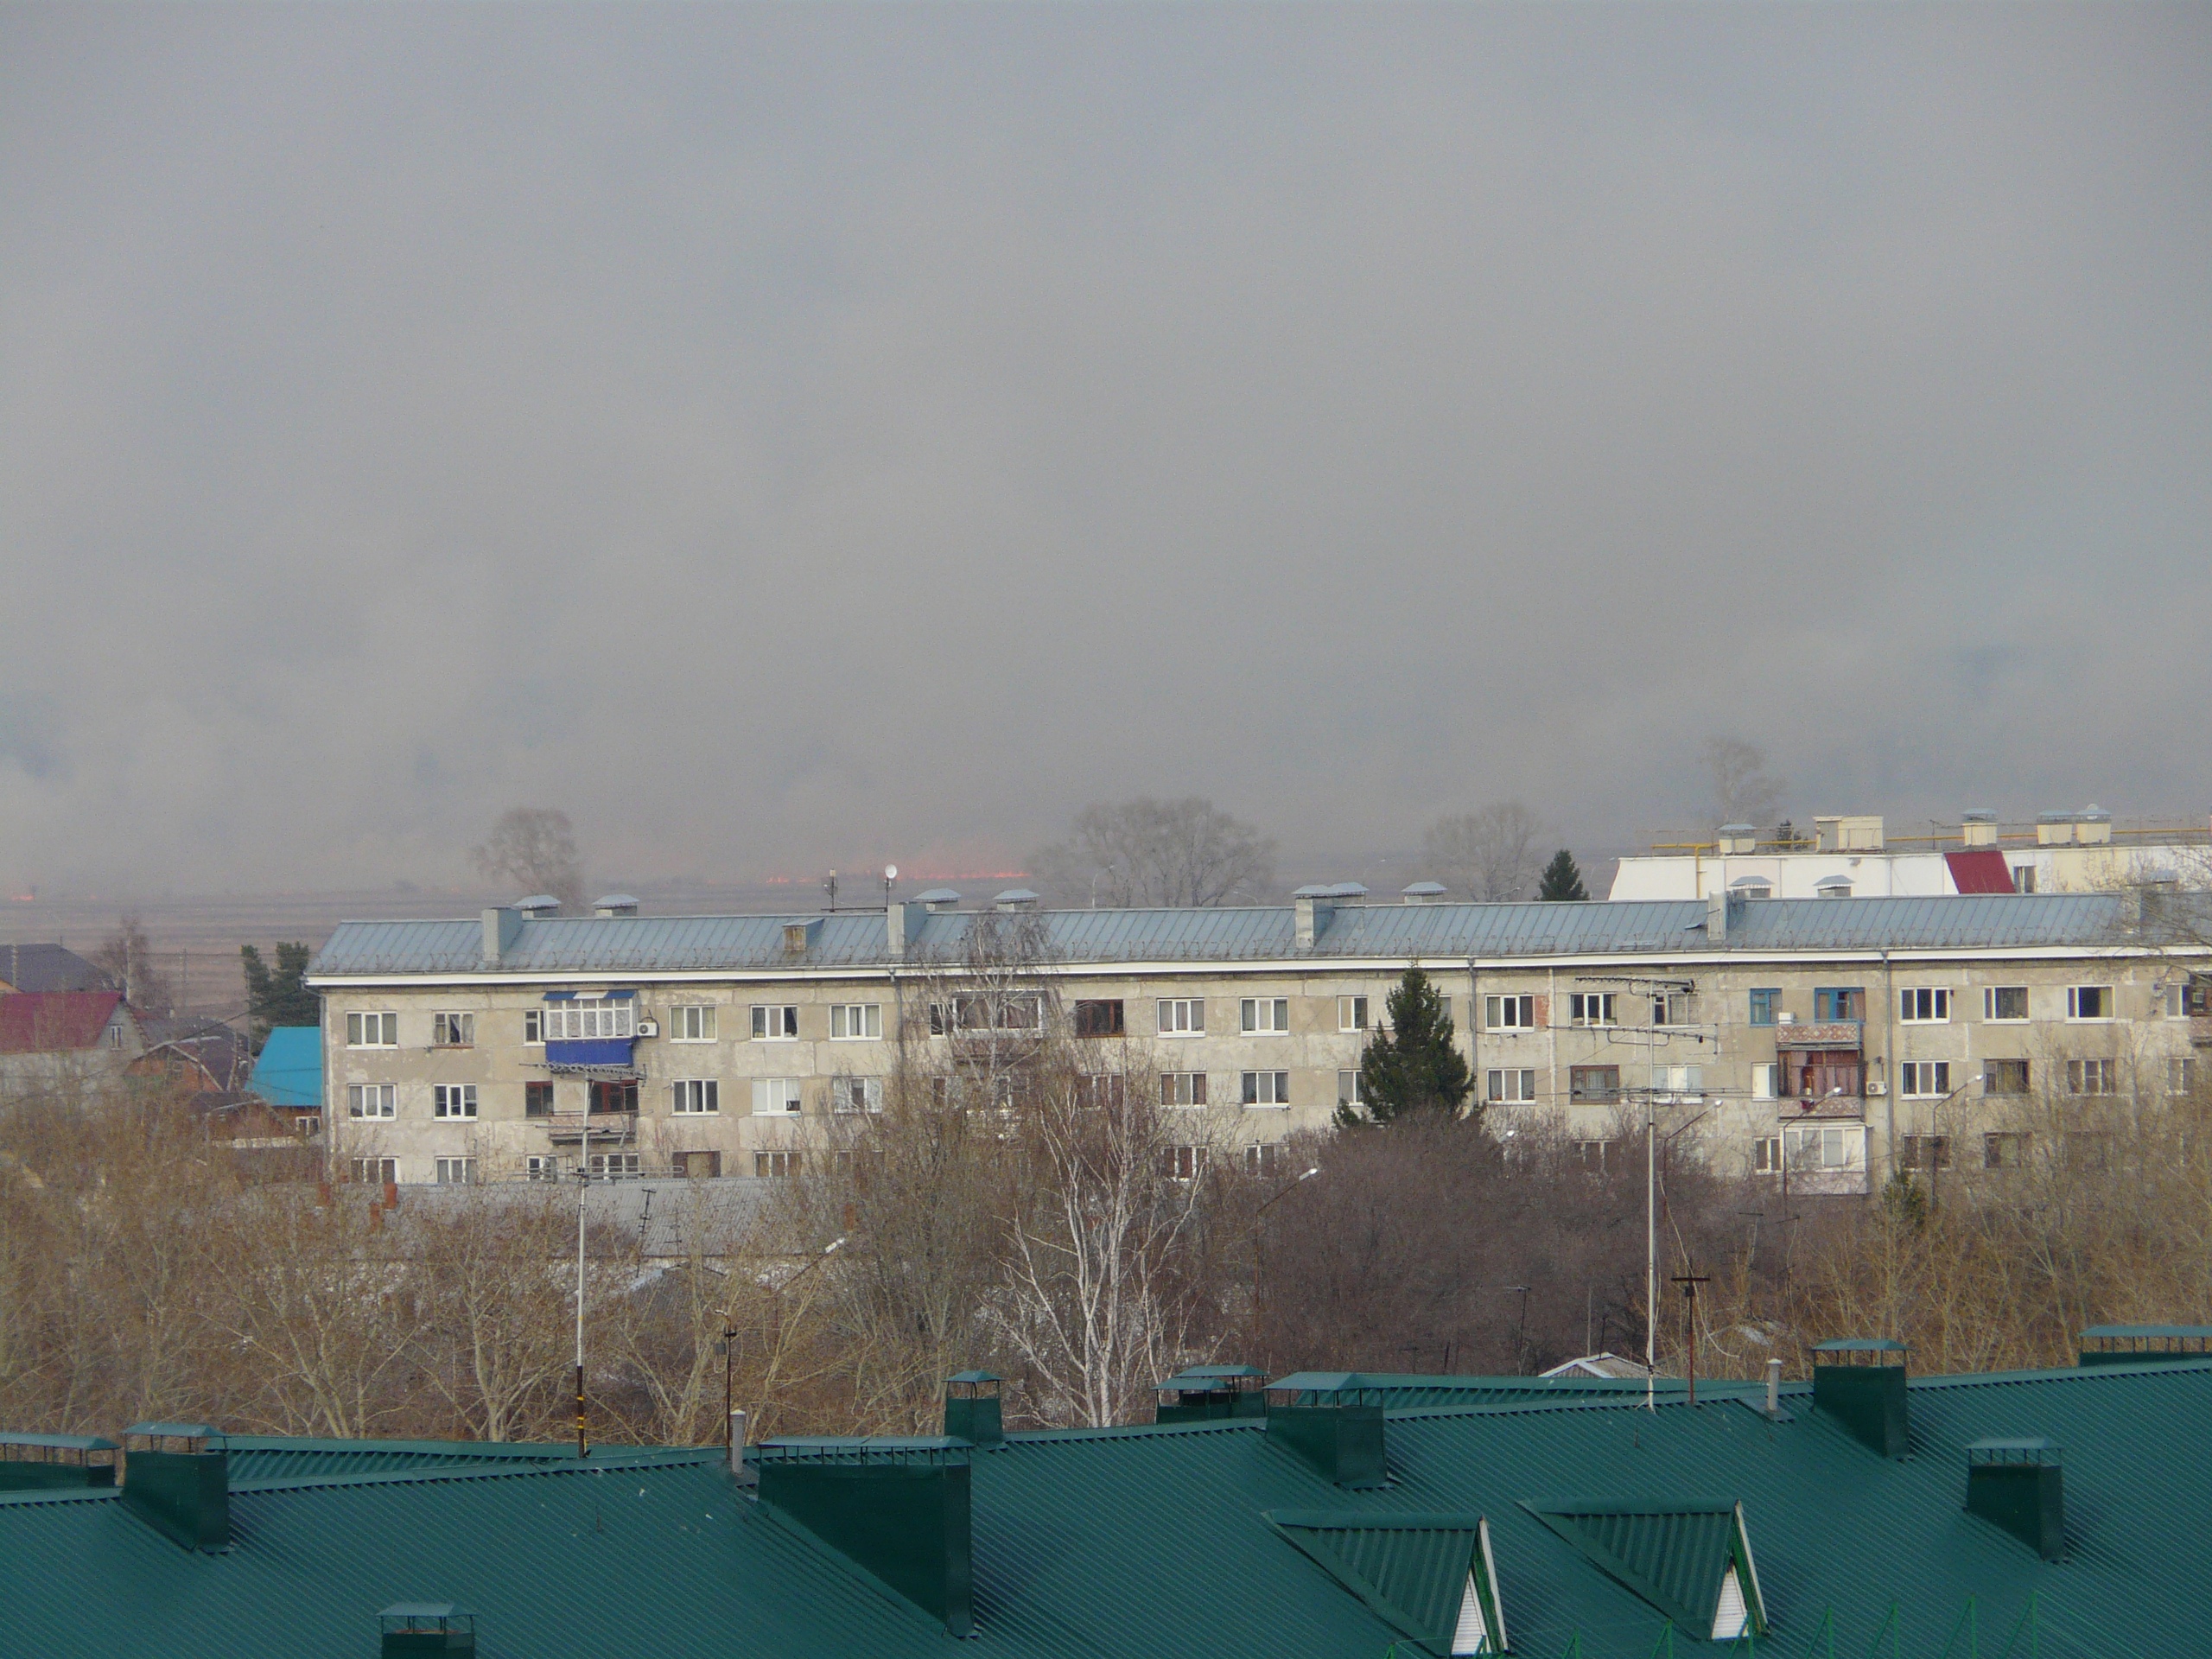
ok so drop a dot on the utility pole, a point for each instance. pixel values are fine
(1689, 1283)
(583, 1190)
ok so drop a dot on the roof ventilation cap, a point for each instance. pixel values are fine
(615, 903)
(1860, 1381)
(897, 1505)
(1422, 893)
(938, 898)
(1204, 1393)
(1334, 1419)
(176, 1478)
(2146, 1345)
(31, 1463)
(1016, 898)
(972, 1410)
(538, 906)
(2018, 1485)
(426, 1627)
(1347, 890)
(1832, 886)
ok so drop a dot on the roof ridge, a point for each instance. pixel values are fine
(514, 1471)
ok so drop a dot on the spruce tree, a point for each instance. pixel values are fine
(1562, 879)
(278, 997)
(1413, 1065)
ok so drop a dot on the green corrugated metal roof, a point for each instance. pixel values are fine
(1153, 1543)
(1411, 1570)
(1672, 1552)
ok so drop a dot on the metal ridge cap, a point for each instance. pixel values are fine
(61, 1494)
(699, 1457)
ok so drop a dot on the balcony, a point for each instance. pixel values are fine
(613, 1127)
(1822, 1034)
(1829, 1183)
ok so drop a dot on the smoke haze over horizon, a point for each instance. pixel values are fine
(784, 437)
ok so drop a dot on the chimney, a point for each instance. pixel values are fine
(799, 937)
(903, 925)
(1422, 893)
(426, 1627)
(898, 1507)
(1860, 1381)
(176, 1478)
(502, 927)
(615, 903)
(1333, 1420)
(37, 1463)
(1977, 828)
(1205, 1393)
(1016, 898)
(971, 1408)
(1312, 905)
(737, 1444)
(938, 898)
(2019, 1486)
(1774, 1387)
(1717, 905)
(1738, 838)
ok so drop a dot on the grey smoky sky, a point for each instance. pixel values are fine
(800, 434)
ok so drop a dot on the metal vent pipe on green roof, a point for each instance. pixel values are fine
(1205, 1393)
(31, 1463)
(426, 1627)
(972, 1410)
(2019, 1486)
(176, 1478)
(1860, 1381)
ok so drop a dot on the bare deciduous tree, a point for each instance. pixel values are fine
(1743, 790)
(1487, 854)
(1145, 852)
(534, 847)
(127, 956)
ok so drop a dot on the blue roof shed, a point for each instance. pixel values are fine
(290, 1070)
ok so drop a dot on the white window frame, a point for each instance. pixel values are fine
(1831, 1146)
(1509, 1085)
(2173, 1002)
(617, 1166)
(1261, 1157)
(372, 1030)
(1350, 1091)
(453, 1102)
(1989, 995)
(366, 1100)
(2105, 1001)
(1263, 1091)
(1352, 1013)
(456, 1172)
(379, 1171)
(778, 1097)
(1671, 1008)
(1923, 1079)
(692, 1022)
(1183, 1091)
(1251, 1010)
(1925, 1005)
(1766, 1155)
(1766, 1080)
(2103, 1073)
(695, 1096)
(1181, 1016)
(590, 1019)
(775, 1166)
(853, 1095)
(1510, 1011)
(855, 1022)
(541, 1166)
(452, 1030)
(775, 1022)
(1672, 1082)
(1184, 1163)
(1592, 1008)
(533, 1027)
(2180, 1074)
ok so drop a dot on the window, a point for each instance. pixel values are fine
(1510, 1013)
(369, 1100)
(2004, 1076)
(538, 1100)
(1839, 1002)
(1766, 1080)
(1020, 1012)
(1924, 1151)
(1593, 1083)
(590, 1019)
(617, 1166)
(1765, 1004)
(1513, 1084)
(1100, 1019)
(1590, 1009)
(453, 1100)
(2007, 1002)
(1924, 1079)
(1923, 1005)
(540, 1166)
(2089, 1001)
(691, 1023)
(775, 1097)
(1266, 1087)
(2004, 1149)
(1183, 1016)
(1830, 1145)
(2024, 877)
(1265, 1016)
(1766, 1155)
(774, 1024)
(1182, 1163)
(1593, 1155)
(775, 1166)
(533, 1026)
(381, 1171)
(2170, 1001)
(2089, 1077)
(452, 1030)
(456, 1172)
(1266, 1159)
(1182, 1088)
(695, 1096)
(856, 1095)
(1677, 1080)
(373, 1031)
(855, 1021)
(702, 1165)
(1671, 1008)
(613, 1095)
(1351, 1014)
(2181, 1077)
(1350, 1091)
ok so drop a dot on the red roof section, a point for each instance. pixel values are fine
(1980, 870)
(41, 1022)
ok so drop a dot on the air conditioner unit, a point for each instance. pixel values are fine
(648, 1028)
(1878, 1089)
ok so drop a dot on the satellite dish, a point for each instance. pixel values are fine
(891, 872)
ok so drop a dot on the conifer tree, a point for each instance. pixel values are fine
(1412, 1066)
(1562, 879)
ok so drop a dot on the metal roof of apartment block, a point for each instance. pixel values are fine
(1146, 1541)
(630, 944)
